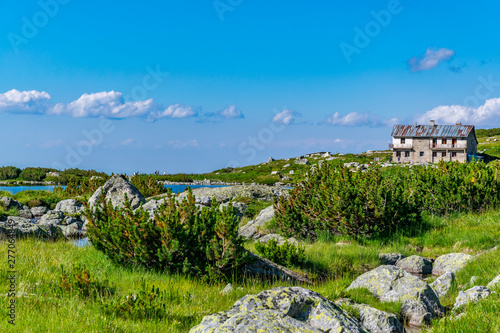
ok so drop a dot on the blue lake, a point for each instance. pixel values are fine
(17, 189)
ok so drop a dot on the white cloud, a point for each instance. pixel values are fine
(430, 59)
(15, 101)
(173, 111)
(231, 112)
(286, 117)
(127, 142)
(105, 104)
(355, 119)
(183, 144)
(486, 114)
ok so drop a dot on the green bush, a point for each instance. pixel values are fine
(286, 254)
(145, 304)
(34, 174)
(148, 185)
(178, 238)
(341, 201)
(9, 172)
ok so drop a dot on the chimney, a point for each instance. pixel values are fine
(433, 123)
(459, 124)
(415, 124)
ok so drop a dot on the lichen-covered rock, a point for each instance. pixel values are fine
(39, 211)
(390, 258)
(278, 238)
(374, 320)
(443, 284)
(24, 230)
(239, 208)
(266, 268)
(494, 283)
(289, 309)
(225, 194)
(249, 230)
(69, 207)
(416, 313)
(115, 190)
(391, 284)
(52, 217)
(73, 231)
(25, 213)
(473, 294)
(415, 265)
(9, 203)
(452, 262)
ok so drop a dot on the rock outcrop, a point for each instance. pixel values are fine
(225, 194)
(390, 258)
(249, 230)
(452, 262)
(115, 190)
(391, 284)
(474, 294)
(443, 284)
(289, 309)
(69, 207)
(415, 265)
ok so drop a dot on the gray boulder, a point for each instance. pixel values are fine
(204, 201)
(52, 217)
(390, 258)
(266, 238)
(391, 284)
(239, 208)
(474, 294)
(416, 313)
(228, 193)
(115, 190)
(73, 231)
(25, 213)
(494, 283)
(303, 161)
(24, 230)
(415, 265)
(38, 212)
(69, 207)
(283, 309)
(249, 230)
(374, 320)
(443, 284)
(452, 262)
(10, 203)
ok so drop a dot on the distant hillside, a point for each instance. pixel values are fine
(484, 133)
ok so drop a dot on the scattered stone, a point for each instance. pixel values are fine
(474, 294)
(494, 283)
(416, 312)
(270, 159)
(283, 309)
(275, 172)
(291, 172)
(443, 284)
(473, 281)
(69, 207)
(115, 190)
(452, 262)
(416, 265)
(390, 258)
(326, 155)
(286, 165)
(390, 284)
(249, 230)
(227, 289)
(266, 238)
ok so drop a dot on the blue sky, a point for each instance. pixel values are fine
(181, 86)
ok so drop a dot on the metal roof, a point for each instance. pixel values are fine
(436, 131)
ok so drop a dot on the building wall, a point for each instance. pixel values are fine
(423, 145)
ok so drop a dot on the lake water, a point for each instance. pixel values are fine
(17, 189)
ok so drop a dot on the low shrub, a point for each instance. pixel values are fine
(178, 238)
(148, 185)
(286, 254)
(78, 281)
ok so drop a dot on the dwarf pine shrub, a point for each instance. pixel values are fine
(286, 254)
(378, 201)
(178, 238)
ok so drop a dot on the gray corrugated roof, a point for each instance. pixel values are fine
(438, 131)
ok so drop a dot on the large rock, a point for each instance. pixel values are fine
(9, 203)
(391, 284)
(284, 309)
(39, 211)
(263, 267)
(390, 258)
(474, 294)
(494, 283)
(69, 207)
(452, 262)
(443, 284)
(115, 190)
(73, 231)
(52, 217)
(25, 213)
(228, 193)
(249, 230)
(374, 320)
(239, 208)
(23, 230)
(415, 265)
(303, 161)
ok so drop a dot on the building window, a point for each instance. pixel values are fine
(434, 154)
(434, 143)
(403, 141)
(407, 154)
(444, 141)
(443, 154)
(454, 142)
(398, 154)
(421, 154)
(453, 154)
